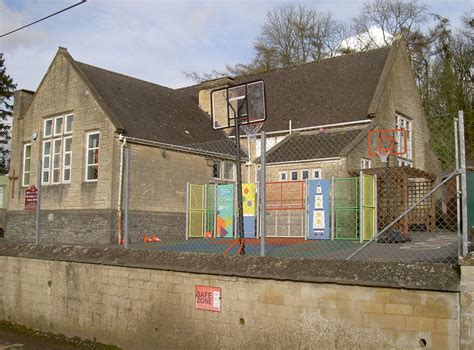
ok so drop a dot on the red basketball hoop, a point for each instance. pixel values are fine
(382, 143)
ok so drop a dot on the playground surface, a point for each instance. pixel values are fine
(439, 246)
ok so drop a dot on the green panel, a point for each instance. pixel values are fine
(347, 224)
(346, 208)
(210, 218)
(470, 201)
(347, 192)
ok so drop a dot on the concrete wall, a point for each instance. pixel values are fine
(154, 308)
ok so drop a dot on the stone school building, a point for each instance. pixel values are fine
(78, 123)
(81, 119)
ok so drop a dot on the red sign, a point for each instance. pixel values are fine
(31, 198)
(208, 298)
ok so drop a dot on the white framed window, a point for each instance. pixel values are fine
(57, 150)
(282, 176)
(92, 156)
(228, 171)
(26, 164)
(405, 123)
(46, 162)
(48, 128)
(68, 124)
(304, 174)
(294, 175)
(58, 126)
(56, 164)
(67, 159)
(365, 163)
(317, 174)
(216, 169)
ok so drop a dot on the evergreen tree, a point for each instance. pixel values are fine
(7, 88)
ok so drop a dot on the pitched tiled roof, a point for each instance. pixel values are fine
(150, 111)
(329, 91)
(313, 146)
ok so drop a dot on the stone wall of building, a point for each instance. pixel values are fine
(62, 91)
(297, 305)
(328, 169)
(399, 95)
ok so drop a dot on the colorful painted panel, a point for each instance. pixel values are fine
(249, 209)
(318, 209)
(225, 211)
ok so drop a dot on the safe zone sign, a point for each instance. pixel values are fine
(208, 298)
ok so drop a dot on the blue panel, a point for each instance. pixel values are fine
(318, 209)
(249, 227)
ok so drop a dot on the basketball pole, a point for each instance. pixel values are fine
(240, 212)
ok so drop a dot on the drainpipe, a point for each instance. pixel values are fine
(119, 208)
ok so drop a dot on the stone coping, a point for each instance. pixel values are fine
(405, 275)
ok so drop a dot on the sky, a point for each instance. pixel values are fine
(154, 40)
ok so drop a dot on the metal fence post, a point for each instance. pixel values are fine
(462, 159)
(262, 181)
(38, 203)
(458, 191)
(333, 213)
(361, 206)
(126, 197)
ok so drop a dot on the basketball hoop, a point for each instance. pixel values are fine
(383, 154)
(251, 130)
(382, 143)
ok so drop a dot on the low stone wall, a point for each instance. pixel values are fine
(142, 300)
(62, 226)
(91, 226)
(167, 226)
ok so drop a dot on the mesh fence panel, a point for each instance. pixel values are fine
(325, 198)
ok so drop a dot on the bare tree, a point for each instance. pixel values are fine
(392, 17)
(290, 35)
(297, 34)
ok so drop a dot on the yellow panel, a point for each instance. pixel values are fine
(369, 190)
(196, 197)
(196, 224)
(369, 224)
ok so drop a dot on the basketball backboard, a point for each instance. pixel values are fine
(245, 101)
(383, 143)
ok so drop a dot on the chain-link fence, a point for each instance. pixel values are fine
(310, 194)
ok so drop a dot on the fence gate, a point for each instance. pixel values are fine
(368, 207)
(346, 208)
(285, 209)
(196, 210)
